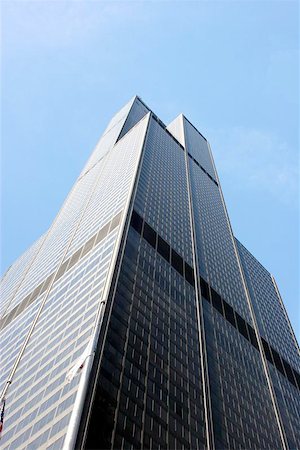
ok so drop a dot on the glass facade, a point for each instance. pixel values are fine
(194, 349)
(282, 351)
(53, 301)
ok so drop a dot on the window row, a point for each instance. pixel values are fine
(209, 294)
(67, 265)
(247, 331)
(162, 247)
(202, 168)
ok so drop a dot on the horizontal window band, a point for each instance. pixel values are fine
(193, 126)
(203, 170)
(162, 247)
(65, 266)
(213, 297)
(154, 117)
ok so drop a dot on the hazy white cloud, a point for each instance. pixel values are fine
(257, 160)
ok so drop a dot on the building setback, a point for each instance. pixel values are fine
(138, 320)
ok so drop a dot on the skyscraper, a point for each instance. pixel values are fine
(138, 321)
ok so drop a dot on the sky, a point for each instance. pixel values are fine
(232, 67)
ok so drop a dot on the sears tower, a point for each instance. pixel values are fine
(138, 320)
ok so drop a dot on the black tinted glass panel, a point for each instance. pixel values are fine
(189, 274)
(216, 301)
(242, 327)
(289, 372)
(267, 350)
(297, 377)
(177, 262)
(149, 234)
(204, 289)
(163, 248)
(136, 222)
(252, 336)
(277, 361)
(229, 314)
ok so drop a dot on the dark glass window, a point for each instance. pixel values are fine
(189, 274)
(297, 378)
(204, 289)
(252, 336)
(136, 222)
(277, 361)
(288, 371)
(163, 248)
(216, 301)
(177, 262)
(149, 234)
(267, 350)
(178, 409)
(242, 327)
(229, 313)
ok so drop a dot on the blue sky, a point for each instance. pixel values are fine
(230, 67)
